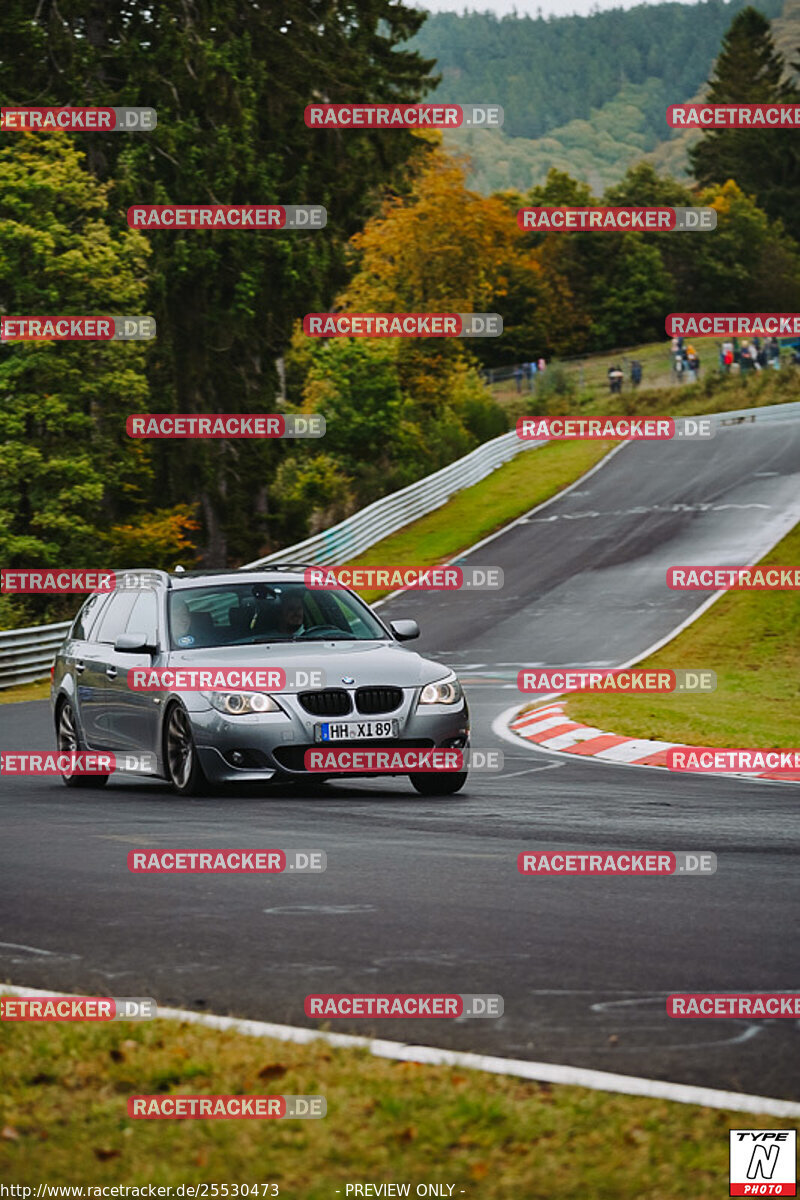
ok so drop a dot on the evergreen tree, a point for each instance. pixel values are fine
(765, 163)
(230, 80)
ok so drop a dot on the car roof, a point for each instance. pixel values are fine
(280, 574)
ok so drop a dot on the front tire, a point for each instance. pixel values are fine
(67, 740)
(446, 783)
(180, 755)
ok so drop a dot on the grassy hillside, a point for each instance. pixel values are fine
(585, 94)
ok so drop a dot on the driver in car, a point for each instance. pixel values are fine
(291, 614)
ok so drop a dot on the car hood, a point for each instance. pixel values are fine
(368, 663)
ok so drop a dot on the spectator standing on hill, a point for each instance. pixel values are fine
(542, 364)
(615, 377)
(636, 372)
(774, 353)
(518, 376)
(692, 363)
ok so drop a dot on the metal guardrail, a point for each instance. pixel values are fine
(27, 654)
(371, 524)
(767, 412)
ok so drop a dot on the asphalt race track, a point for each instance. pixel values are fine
(424, 895)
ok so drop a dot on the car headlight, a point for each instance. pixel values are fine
(238, 704)
(443, 691)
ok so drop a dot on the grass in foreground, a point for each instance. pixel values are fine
(752, 641)
(63, 1093)
(519, 485)
(40, 690)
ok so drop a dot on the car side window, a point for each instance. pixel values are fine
(144, 617)
(115, 617)
(82, 624)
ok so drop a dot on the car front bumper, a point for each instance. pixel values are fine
(259, 747)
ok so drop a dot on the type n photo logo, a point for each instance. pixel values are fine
(763, 1162)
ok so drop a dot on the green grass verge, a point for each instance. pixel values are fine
(752, 641)
(40, 690)
(519, 485)
(63, 1093)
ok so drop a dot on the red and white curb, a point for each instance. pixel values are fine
(520, 1068)
(549, 728)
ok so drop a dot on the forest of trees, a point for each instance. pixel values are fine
(584, 94)
(547, 71)
(404, 233)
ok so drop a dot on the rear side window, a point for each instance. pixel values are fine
(144, 617)
(115, 617)
(87, 616)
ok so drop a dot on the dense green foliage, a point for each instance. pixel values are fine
(767, 165)
(546, 72)
(230, 82)
(584, 94)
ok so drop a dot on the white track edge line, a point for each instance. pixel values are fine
(606, 1081)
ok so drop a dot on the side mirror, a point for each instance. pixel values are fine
(134, 643)
(404, 631)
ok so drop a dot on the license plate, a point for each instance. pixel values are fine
(348, 731)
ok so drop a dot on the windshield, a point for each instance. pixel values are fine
(250, 613)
